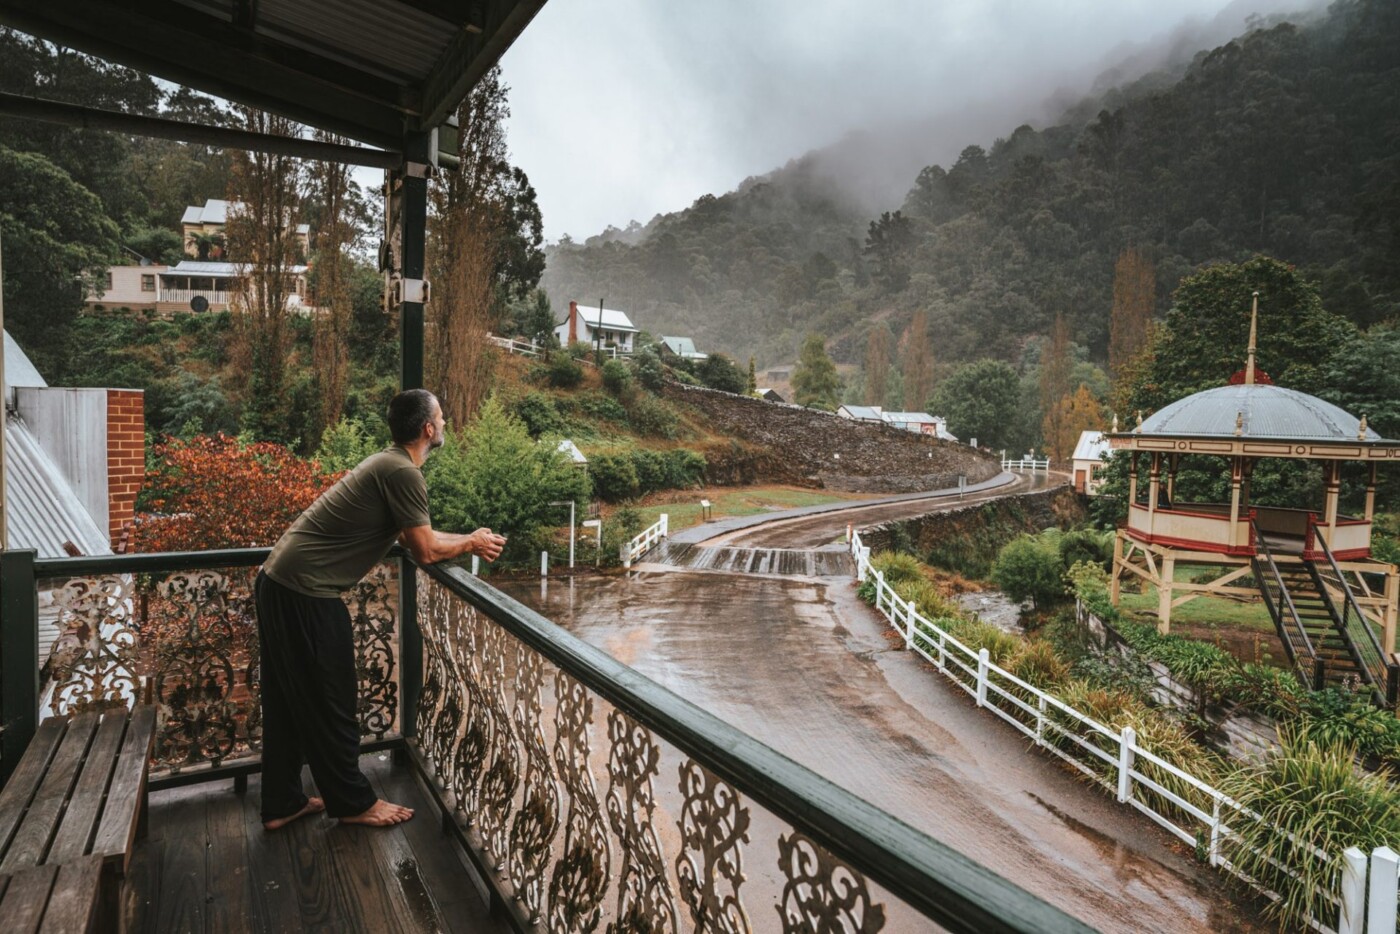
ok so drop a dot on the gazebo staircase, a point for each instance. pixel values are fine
(1321, 626)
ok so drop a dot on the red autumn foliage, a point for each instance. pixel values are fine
(215, 492)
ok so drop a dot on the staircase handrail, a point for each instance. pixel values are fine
(1372, 668)
(1286, 599)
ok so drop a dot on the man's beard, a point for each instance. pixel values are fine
(438, 441)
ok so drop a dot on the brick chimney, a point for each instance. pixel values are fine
(126, 456)
(573, 322)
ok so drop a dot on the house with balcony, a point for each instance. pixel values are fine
(610, 330)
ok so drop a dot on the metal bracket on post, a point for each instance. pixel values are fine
(19, 663)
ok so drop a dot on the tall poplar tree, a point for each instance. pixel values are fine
(877, 364)
(916, 363)
(1134, 300)
(264, 196)
(330, 346)
(1055, 368)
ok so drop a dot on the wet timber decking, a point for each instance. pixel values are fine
(207, 865)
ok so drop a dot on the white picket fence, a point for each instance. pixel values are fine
(524, 348)
(1183, 805)
(644, 542)
(1025, 463)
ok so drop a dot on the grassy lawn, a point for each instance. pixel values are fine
(684, 506)
(1208, 611)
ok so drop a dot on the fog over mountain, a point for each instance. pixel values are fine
(625, 109)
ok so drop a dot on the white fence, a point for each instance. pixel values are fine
(644, 542)
(524, 348)
(1183, 805)
(1025, 463)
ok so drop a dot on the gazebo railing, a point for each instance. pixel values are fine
(1353, 626)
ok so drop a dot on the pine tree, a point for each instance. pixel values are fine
(815, 380)
(752, 385)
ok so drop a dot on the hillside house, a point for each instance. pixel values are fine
(862, 413)
(612, 329)
(203, 226)
(1089, 464)
(920, 423)
(681, 347)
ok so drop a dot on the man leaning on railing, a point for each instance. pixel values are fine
(308, 650)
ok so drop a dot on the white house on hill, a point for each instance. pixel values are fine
(1088, 462)
(921, 423)
(682, 347)
(589, 325)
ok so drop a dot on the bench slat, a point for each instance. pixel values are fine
(31, 841)
(79, 824)
(73, 901)
(25, 899)
(117, 831)
(19, 790)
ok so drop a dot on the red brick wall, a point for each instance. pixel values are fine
(126, 456)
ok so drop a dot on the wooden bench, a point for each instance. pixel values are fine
(52, 899)
(79, 791)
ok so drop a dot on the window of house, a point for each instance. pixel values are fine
(109, 279)
(148, 282)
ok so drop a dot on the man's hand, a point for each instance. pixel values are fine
(486, 544)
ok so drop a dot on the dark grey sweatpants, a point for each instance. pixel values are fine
(309, 697)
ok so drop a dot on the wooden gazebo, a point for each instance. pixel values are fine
(1331, 601)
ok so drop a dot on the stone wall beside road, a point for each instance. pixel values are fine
(791, 444)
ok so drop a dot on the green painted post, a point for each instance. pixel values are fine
(19, 657)
(410, 649)
(415, 225)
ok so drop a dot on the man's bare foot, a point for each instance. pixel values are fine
(313, 806)
(380, 814)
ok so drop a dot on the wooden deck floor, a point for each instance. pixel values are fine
(208, 866)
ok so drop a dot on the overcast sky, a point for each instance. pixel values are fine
(625, 108)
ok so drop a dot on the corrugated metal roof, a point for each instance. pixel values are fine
(190, 267)
(213, 211)
(612, 320)
(1091, 446)
(43, 510)
(913, 418)
(861, 413)
(19, 370)
(1262, 411)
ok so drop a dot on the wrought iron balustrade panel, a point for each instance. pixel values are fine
(592, 821)
(187, 641)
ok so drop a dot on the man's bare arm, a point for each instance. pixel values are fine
(429, 546)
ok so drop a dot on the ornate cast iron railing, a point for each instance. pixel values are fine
(592, 798)
(179, 631)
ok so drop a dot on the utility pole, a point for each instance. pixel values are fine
(598, 337)
(4, 414)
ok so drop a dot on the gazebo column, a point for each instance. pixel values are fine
(1132, 478)
(1173, 462)
(1371, 493)
(1154, 483)
(1164, 593)
(1333, 478)
(1236, 482)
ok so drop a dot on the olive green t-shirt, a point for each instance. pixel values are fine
(351, 526)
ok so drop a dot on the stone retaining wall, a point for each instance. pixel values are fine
(791, 444)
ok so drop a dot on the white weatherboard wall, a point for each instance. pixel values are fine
(71, 426)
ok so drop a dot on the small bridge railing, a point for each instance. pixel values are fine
(645, 540)
(1026, 463)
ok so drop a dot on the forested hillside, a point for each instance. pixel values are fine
(1285, 141)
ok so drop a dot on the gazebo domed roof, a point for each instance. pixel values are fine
(1262, 411)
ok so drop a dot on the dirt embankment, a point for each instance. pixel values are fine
(790, 444)
(967, 539)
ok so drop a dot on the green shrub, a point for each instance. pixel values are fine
(620, 527)
(684, 468)
(616, 376)
(597, 405)
(580, 350)
(614, 476)
(650, 467)
(1086, 545)
(564, 371)
(1039, 665)
(977, 635)
(1315, 795)
(897, 567)
(494, 475)
(651, 416)
(539, 414)
(1030, 567)
(345, 444)
(651, 372)
(1334, 716)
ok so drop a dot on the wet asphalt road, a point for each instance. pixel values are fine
(804, 666)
